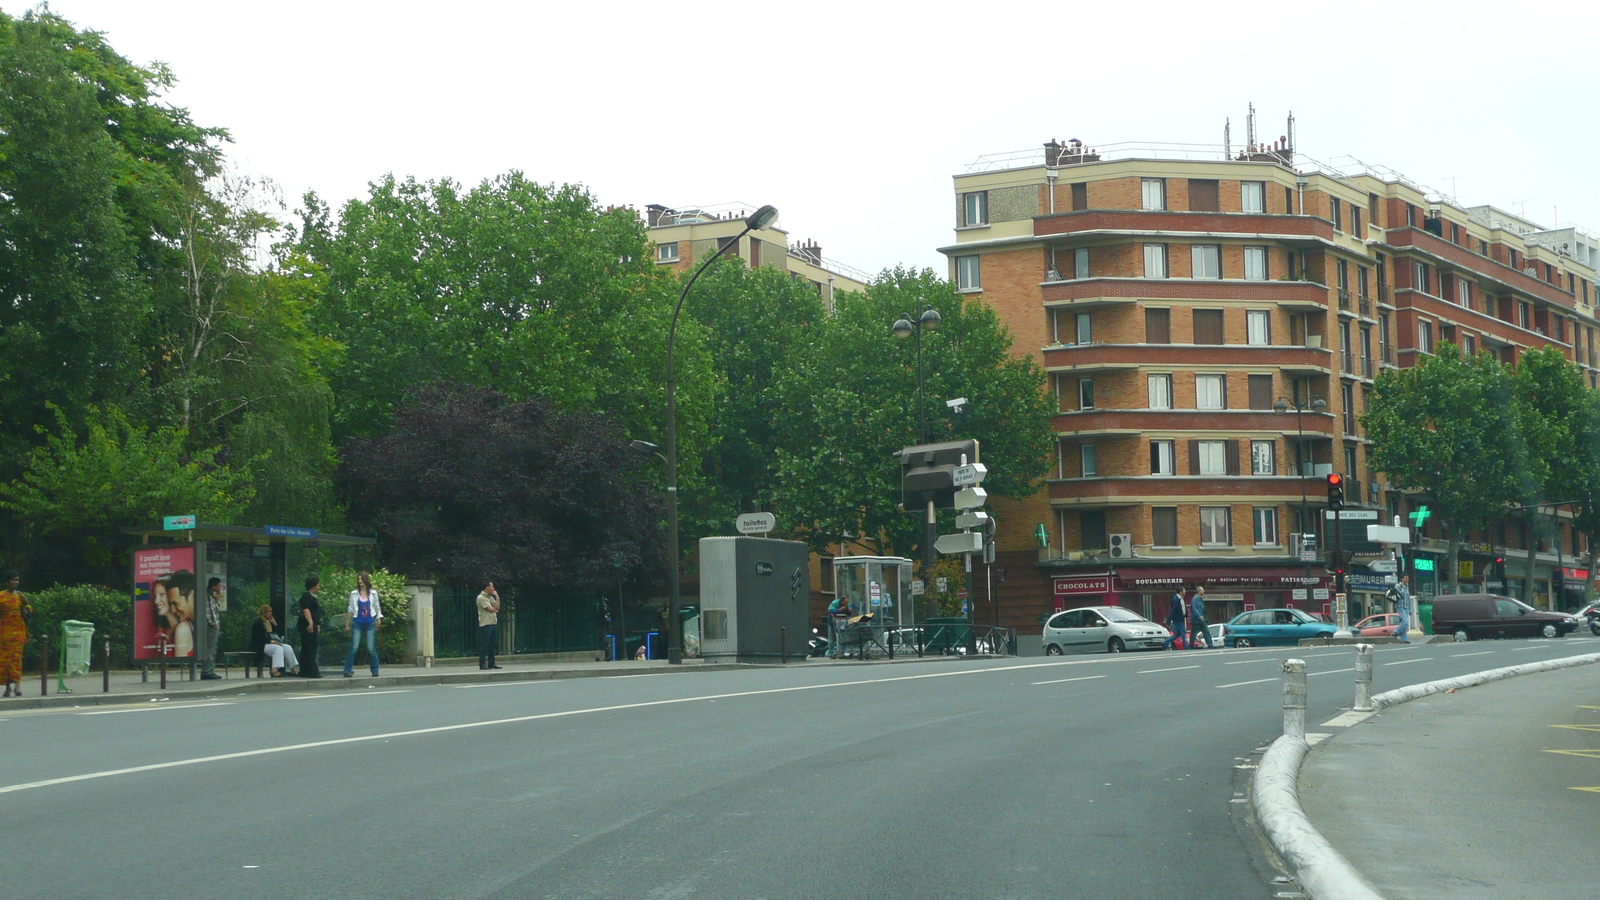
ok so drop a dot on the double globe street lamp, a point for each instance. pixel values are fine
(761, 218)
(903, 328)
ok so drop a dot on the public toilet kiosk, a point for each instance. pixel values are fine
(256, 566)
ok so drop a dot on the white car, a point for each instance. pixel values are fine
(1101, 629)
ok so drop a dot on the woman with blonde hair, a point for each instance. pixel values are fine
(364, 615)
(268, 644)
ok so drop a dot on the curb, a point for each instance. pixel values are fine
(1321, 870)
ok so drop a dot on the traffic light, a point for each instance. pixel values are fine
(1335, 490)
(927, 472)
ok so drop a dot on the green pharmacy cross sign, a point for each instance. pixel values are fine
(1419, 517)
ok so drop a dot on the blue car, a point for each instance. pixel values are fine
(1266, 627)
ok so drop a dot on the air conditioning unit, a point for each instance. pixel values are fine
(1121, 546)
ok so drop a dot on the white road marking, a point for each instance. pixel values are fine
(472, 687)
(1064, 680)
(1173, 669)
(1479, 653)
(440, 729)
(1330, 672)
(1243, 683)
(1243, 661)
(348, 694)
(153, 707)
(1321, 655)
(1348, 718)
(1407, 662)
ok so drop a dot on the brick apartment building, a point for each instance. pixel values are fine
(1175, 302)
(685, 236)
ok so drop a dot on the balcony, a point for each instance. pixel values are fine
(1386, 353)
(1318, 426)
(1086, 357)
(1344, 300)
(1364, 307)
(1367, 368)
(1385, 296)
(1302, 296)
(1257, 226)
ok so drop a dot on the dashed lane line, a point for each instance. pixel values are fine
(1462, 655)
(1407, 662)
(154, 707)
(1330, 672)
(1243, 683)
(1065, 680)
(348, 694)
(1155, 671)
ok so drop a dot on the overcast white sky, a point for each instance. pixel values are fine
(851, 117)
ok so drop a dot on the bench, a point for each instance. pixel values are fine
(241, 658)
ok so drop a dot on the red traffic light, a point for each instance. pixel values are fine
(1335, 479)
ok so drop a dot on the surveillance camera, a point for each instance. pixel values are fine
(956, 404)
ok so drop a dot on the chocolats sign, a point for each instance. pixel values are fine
(1095, 584)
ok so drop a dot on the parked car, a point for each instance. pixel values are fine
(1265, 627)
(1218, 633)
(1093, 629)
(1382, 625)
(1472, 616)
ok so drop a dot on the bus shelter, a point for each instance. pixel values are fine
(173, 565)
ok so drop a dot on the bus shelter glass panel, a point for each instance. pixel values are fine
(880, 585)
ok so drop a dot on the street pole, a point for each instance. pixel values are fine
(904, 327)
(761, 219)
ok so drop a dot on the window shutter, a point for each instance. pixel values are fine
(1203, 195)
(1158, 326)
(1231, 455)
(1222, 391)
(1194, 457)
(1260, 391)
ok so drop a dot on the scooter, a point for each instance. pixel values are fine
(1594, 622)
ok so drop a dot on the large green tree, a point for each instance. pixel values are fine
(852, 402)
(1448, 428)
(526, 288)
(1551, 400)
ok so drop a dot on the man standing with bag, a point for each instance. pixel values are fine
(488, 626)
(1198, 627)
(1400, 596)
(1175, 617)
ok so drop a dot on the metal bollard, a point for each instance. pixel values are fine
(44, 664)
(1363, 678)
(105, 670)
(162, 649)
(783, 643)
(1294, 698)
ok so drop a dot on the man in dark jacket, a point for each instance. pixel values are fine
(1198, 626)
(1175, 617)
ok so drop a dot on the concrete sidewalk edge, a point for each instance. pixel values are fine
(1321, 870)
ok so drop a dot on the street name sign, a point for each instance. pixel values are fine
(177, 523)
(756, 523)
(971, 498)
(966, 476)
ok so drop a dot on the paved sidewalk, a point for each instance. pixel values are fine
(1465, 795)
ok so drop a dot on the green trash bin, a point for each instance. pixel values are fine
(77, 649)
(1425, 617)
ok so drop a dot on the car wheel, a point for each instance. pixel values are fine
(1462, 635)
(1116, 646)
(1242, 642)
(1052, 650)
(1550, 630)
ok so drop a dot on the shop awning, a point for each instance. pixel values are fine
(1152, 578)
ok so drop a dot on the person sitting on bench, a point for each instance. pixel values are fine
(270, 646)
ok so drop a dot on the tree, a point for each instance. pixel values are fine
(469, 487)
(1550, 402)
(525, 288)
(852, 403)
(1447, 428)
(80, 494)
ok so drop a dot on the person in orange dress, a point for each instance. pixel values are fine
(14, 609)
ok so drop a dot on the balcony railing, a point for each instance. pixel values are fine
(1386, 352)
(1385, 295)
(1366, 367)
(1344, 299)
(1350, 425)
(1364, 307)
(1347, 362)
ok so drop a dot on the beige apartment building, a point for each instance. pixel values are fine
(1185, 307)
(685, 236)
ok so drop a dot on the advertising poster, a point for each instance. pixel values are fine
(163, 602)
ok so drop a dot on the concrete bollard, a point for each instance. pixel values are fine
(1363, 678)
(1294, 698)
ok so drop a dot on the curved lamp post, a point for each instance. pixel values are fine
(903, 328)
(761, 218)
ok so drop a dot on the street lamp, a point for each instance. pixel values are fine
(758, 220)
(1316, 405)
(903, 328)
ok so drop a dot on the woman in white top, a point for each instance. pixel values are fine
(364, 616)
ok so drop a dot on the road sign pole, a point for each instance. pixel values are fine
(1339, 606)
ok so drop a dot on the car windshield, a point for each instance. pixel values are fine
(1300, 617)
(1525, 607)
(1122, 615)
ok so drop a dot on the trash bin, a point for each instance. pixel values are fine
(77, 649)
(1425, 617)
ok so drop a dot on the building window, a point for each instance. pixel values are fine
(1258, 326)
(1255, 263)
(1355, 220)
(1080, 196)
(1160, 388)
(1085, 332)
(1080, 262)
(1425, 336)
(1213, 457)
(967, 278)
(1155, 260)
(1524, 314)
(1160, 457)
(1361, 281)
(1260, 391)
(1205, 261)
(1420, 277)
(667, 252)
(1266, 526)
(1208, 326)
(1203, 195)
(1086, 393)
(1155, 193)
(1092, 529)
(1086, 462)
(1470, 344)
(1253, 196)
(1333, 213)
(976, 208)
(1263, 457)
(1164, 526)
(1214, 526)
(1210, 392)
(1158, 326)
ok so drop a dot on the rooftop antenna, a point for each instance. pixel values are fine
(1250, 129)
(1227, 144)
(1290, 148)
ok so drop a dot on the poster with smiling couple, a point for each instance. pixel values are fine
(163, 602)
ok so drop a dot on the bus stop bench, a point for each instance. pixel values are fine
(242, 658)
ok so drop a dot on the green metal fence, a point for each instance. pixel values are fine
(530, 622)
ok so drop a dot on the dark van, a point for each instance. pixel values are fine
(1473, 616)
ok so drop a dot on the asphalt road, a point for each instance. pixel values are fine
(1103, 777)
